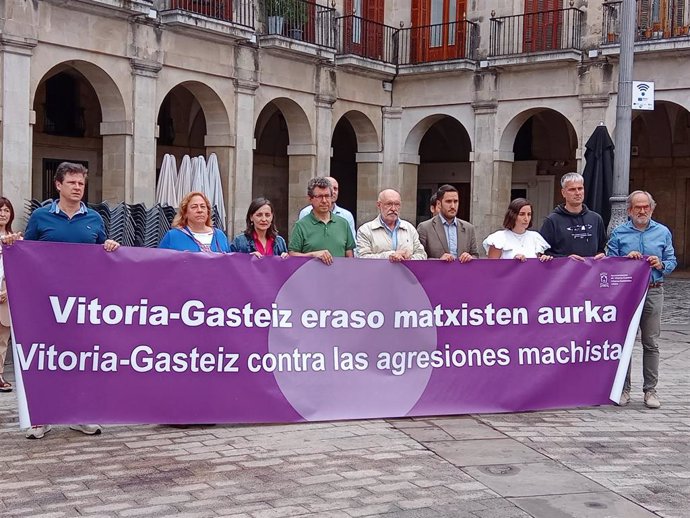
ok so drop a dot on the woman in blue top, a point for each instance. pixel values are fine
(192, 229)
(261, 237)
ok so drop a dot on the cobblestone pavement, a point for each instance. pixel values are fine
(589, 462)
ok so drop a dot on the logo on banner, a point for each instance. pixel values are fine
(603, 280)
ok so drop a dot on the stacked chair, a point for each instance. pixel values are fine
(132, 225)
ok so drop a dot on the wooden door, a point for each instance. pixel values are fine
(438, 30)
(542, 26)
(364, 28)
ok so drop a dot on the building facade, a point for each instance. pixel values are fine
(495, 97)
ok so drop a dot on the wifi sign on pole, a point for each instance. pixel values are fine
(643, 95)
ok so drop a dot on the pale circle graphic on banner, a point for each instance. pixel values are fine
(346, 387)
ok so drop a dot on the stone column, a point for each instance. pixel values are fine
(140, 180)
(15, 165)
(324, 133)
(594, 112)
(409, 167)
(224, 148)
(391, 173)
(368, 171)
(117, 148)
(241, 175)
(302, 158)
(491, 172)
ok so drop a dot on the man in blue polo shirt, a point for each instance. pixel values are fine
(643, 238)
(68, 220)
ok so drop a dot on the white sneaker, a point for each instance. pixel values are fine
(651, 400)
(88, 429)
(625, 398)
(37, 432)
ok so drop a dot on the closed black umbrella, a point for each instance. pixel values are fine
(598, 172)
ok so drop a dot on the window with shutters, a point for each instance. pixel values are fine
(438, 30)
(364, 29)
(658, 19)
(542, 26)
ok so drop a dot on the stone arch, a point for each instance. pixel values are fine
(660, 155)
(215, 111)
(298, 125)
(355, 162)
(284, 158)
(510, 131)
(416, 134)
(437, 151)
(366, 132)
(103, 143)
(536, 172)
(113, 107)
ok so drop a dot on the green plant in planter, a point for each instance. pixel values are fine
(293, 11)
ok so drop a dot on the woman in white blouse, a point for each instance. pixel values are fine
(515, 241)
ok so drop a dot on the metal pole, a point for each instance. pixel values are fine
(621, 164)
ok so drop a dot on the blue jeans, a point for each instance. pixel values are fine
(650, 327)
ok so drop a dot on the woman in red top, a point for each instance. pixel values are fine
(260, 238)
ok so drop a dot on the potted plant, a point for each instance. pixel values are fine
(291, 14)
(275, 17)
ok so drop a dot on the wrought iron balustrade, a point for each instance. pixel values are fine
(654, 20)
(367, 39)
(240, 12)
(557, 29)
(438, 42)
(300, 20)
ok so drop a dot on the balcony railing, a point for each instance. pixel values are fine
(542, 31)
(240, 12)
(410, 45)
(653, 21)
(439, 42)
(300, 20)
(367, 39)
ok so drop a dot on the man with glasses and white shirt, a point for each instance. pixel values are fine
(387, 236)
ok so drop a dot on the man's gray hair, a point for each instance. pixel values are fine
(321, 182)
(572, 177)
(629, 200)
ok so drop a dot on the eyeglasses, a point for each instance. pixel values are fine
(321, 197)
(391, 205)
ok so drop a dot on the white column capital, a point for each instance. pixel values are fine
(17, 44)
(145, 67)
(245, 86)
(220, 140)
(117, 128)
(301, 149)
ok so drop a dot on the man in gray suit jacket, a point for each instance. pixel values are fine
(445, 236)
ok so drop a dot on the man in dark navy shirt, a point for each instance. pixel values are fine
(66, 220)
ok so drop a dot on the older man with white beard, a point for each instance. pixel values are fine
(387, 236)
(643, 238)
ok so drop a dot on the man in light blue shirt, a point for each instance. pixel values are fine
(643, 238)
(445, 236)
(338, 211)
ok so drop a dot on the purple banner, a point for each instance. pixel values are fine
(159, 336)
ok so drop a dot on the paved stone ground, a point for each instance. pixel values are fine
(590, 462)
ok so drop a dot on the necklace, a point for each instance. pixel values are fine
(520, 238)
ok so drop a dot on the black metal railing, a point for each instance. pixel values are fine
(653, 22)
(300, 20)
(557, 29)
(367, 39)
(240, 12)
(439, 42)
